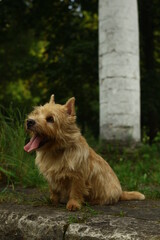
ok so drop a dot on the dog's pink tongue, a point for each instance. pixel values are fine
(33, 144)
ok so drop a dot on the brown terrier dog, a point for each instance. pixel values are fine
(75, 173)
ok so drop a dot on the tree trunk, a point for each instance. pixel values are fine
(119, 71)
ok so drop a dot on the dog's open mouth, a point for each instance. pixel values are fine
(35, 142)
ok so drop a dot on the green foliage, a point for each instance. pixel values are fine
(50, 47)
(15, 164)
(138, 169)
(149, 21)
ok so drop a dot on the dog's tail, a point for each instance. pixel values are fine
(131, 196)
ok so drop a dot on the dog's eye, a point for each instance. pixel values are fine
(50, 119)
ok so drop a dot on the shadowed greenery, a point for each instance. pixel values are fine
(52, 47)
(16, 166)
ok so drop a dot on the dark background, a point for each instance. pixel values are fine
(52, 47)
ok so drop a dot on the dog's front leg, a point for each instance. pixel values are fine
(54, 197)
(77, 192)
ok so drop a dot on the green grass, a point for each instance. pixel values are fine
(16, 166)
(137, 169)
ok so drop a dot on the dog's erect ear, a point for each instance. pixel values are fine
(70, 104)
(52, 99)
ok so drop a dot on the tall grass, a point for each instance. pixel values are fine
(139, 169)
(16, 166)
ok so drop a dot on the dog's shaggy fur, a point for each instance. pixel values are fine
(74, 171)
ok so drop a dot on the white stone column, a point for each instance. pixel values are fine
(119, 78)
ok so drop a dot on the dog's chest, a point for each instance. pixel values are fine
(54, 168)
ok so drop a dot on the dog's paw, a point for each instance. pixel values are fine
(73, 205)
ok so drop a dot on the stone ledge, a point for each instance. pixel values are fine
(123, 221)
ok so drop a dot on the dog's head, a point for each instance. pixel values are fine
(50, 123)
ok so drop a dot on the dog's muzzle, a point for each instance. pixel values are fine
(30, 123)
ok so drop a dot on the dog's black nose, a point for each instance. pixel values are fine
(30, 123)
